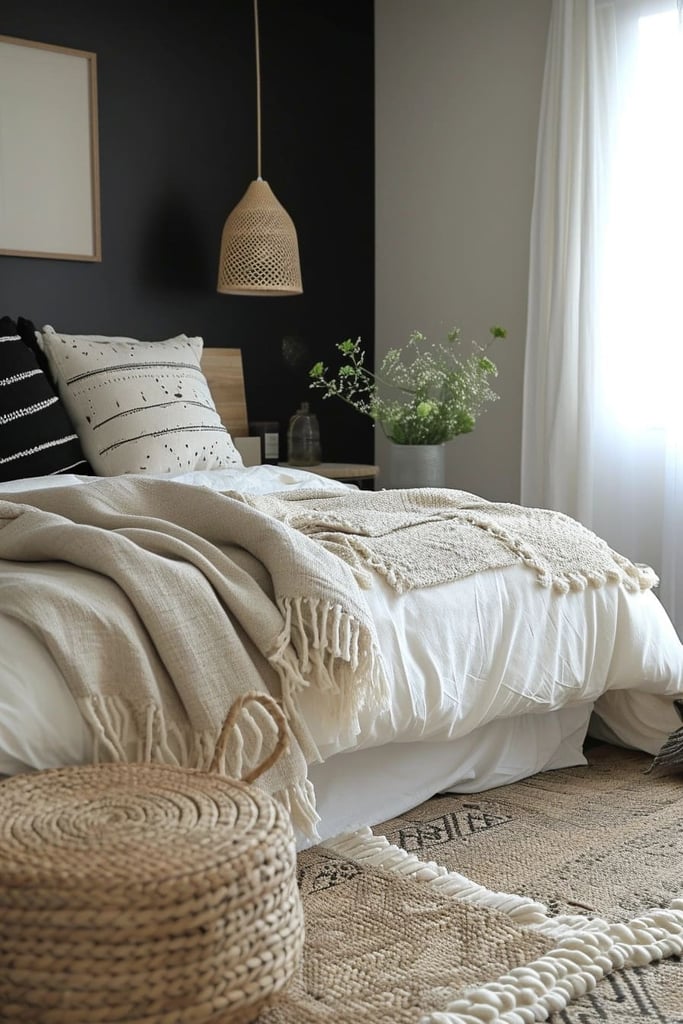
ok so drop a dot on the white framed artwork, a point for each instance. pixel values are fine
(49, 152)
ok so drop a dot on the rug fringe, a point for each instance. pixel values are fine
(547, 985)
(367, 848)
(588, 949)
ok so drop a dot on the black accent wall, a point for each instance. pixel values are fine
(177, 133)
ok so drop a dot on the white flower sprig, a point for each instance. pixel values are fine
(420, 394)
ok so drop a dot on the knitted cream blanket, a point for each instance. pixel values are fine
(161, 603)
(423, 537)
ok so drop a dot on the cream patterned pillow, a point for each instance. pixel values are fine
(139, 406)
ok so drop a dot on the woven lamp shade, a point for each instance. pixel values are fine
(259, 247)
(144, 894)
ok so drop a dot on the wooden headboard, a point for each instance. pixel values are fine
(222, 368)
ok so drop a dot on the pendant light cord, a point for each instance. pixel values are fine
(259, 247)
(258, 93)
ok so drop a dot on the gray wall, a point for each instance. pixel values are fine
(458, 86)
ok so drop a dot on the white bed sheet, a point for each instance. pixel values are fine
(367, 786)
(476, 670)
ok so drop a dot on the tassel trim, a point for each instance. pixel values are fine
(633, 577)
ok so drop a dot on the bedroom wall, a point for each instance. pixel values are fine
(458, 85)
(177, 128)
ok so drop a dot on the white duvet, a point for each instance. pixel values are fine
(493, 658)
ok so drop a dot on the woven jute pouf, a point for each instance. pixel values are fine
(146, 894)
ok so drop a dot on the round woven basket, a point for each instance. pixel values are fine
(145, 893)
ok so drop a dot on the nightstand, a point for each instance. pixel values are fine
(352, 472)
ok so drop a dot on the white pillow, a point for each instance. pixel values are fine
(139, 406)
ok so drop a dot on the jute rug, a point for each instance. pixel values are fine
(557, 898)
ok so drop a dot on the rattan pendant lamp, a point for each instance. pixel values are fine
(259, 247)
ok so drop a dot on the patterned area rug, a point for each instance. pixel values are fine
(413, 922)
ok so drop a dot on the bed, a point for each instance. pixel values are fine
(432, 677)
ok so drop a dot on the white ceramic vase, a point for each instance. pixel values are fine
(417, 465)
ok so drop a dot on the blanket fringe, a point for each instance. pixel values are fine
(399, 535)
(632, 576)
(324, 646)
(136, 734)
(299, 802)
(357, 554)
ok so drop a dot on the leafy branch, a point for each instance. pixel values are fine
(421, 394)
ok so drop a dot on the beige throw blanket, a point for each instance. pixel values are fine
(162, 603)
(423, 537)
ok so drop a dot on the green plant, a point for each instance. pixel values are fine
(420, 394)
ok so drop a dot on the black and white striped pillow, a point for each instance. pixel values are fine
(37, 437)
(139, 406)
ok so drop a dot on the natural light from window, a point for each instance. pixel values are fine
(642, 295)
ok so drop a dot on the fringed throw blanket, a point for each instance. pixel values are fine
(162, 603)
(423, 537)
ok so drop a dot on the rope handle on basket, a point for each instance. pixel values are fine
(281, 745)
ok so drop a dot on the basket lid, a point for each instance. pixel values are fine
(61, 828)
(132, 823)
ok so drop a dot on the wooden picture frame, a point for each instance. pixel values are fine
(49, 152)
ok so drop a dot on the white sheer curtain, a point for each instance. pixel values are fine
(603, 401)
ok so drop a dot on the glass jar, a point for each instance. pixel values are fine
(303, 438)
